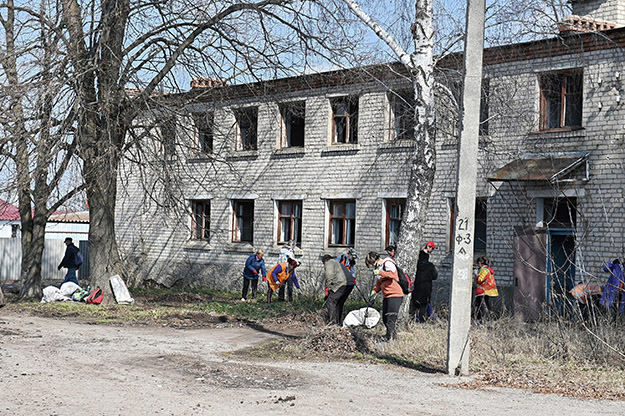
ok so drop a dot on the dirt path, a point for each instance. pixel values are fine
(62, 367)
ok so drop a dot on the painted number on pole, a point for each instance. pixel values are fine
(462, 274)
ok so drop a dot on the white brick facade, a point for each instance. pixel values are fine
(157, 240)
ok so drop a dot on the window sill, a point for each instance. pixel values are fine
(559, 133)
(200, 157)
(286, 152)
(243, 154)
(340, 149)
(201, 245)
(243, 247)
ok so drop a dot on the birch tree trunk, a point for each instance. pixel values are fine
(420, 64)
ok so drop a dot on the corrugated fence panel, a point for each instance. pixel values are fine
(53, 252)
(11, 257)
(11, 251)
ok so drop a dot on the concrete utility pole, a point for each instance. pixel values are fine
(460, 302)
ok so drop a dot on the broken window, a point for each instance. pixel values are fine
(247, 125)
(561, 99)
(204, 122)
(560, 212)
(402, 115)
(293, 122)
(344, 120)
(167, 127)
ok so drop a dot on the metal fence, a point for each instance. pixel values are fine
(53, 252)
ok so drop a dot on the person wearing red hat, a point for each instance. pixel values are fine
(429, 247)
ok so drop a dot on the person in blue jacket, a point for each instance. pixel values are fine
(613, 292)
(254, 267)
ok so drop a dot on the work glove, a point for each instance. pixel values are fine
(327, 293)
(264, 278)
(59, 268)
(255, 271)
(376, 272)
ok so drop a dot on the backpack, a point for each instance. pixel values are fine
(80, 295)
(95, 297)
(405, 282)
(78, 259)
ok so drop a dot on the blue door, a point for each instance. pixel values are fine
(560, 269)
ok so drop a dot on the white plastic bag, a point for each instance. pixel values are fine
(68, 289)
(120, 291)
(52, 294)
(368, 317)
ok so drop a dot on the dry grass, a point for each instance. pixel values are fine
(554, 356)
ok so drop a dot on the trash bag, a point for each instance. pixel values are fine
(53, 294)
(68, 289)
(120, 291)
(368, 317)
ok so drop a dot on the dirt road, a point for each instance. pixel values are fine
(63, 367)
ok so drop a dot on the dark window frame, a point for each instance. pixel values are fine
(205, 125)
(293, 125)
(167, 130)
(560, 212)
(401, 202)
(344, 120)
(346, 237)
(200, 219)
(247, 128)
(295, 222)
(480, 231)
(401, 115)
(242, 221)
(561, 99)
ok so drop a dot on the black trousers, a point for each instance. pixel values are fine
(336, 301)
(482, 307)
(419, 300)
(246, 286)
(289, 289)
(390, 310)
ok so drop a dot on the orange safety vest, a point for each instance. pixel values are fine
(282, 276)
(485, 284)
(584, 291)
(344, 259)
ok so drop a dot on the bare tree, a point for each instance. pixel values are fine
(144, 44)
(34, 119)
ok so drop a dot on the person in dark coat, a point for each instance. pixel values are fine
(422, 291)
(69, 261)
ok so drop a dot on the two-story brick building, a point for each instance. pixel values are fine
(321, 159)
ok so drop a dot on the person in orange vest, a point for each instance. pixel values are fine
(280, 273)
(349, 261)
(485, 288)
(587, 296)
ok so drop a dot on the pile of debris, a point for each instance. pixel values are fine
(331, 341)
